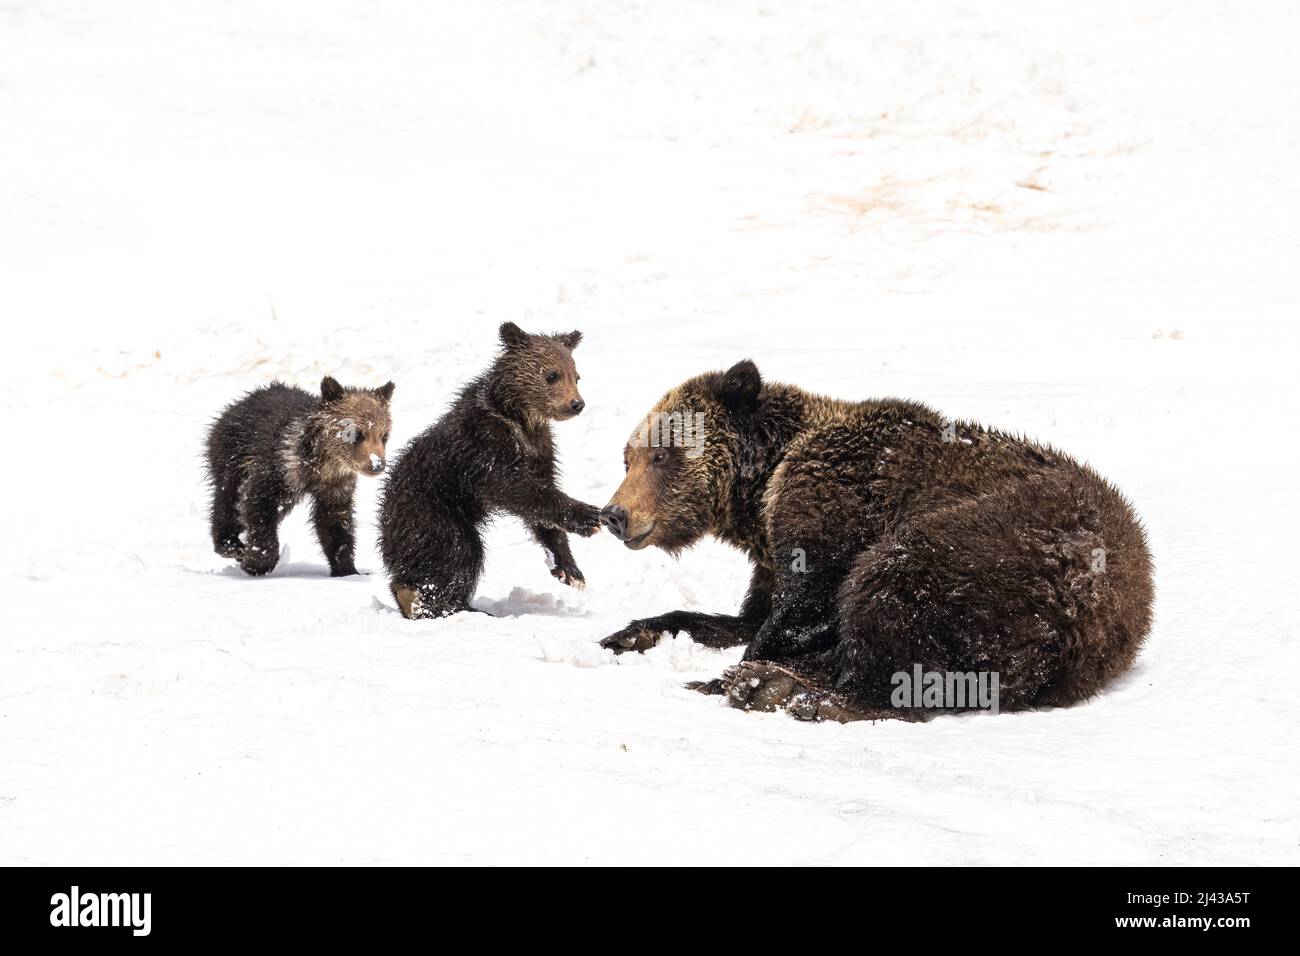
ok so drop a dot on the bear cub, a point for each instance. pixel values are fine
(279, 444)
(491, 453)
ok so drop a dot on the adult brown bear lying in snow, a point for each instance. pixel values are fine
(882, 537)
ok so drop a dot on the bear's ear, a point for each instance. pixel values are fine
(385, 392)
(739, 386)
(570, 340)
(330, 389)
(512, 335)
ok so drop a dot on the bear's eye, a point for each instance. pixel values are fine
(385, 438)
(659, 457)
(358, 436)
(552, 378)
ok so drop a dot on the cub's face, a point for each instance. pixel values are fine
(538, 373)
(360, 424)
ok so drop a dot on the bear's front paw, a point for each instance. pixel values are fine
(632, 638)
(584, 521)
(570, 575)
(343, 570)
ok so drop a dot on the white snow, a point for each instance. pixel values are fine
(1079, 221)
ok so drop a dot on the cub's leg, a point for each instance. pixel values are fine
(224, 513)
(556, 545)
(439, 576)
(331, 515)
(262, 505)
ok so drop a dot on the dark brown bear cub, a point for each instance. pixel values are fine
(491, 453)
(279, 444)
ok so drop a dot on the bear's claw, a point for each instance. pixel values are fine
(571, 576)
(712, 688)
(631, 638)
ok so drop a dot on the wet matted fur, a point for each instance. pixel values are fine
(883, 536)
(492, 452)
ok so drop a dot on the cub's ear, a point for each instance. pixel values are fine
(739, 386)
(330, 389)
(570, 340)
(512, 335)
(385, 392)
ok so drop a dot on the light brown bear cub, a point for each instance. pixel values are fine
(278, 445)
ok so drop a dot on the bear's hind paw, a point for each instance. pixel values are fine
(761, 686)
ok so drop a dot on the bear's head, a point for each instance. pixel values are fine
(535, 376)
(683, 460)
(357, 425)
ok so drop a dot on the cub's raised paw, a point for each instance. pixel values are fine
(759, 685)
(632, 638)
(571, 576)
(584, 521)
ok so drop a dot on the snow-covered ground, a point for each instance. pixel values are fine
(1081, 221)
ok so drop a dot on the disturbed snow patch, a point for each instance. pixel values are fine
(521, 601)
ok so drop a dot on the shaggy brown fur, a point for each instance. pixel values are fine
(883, 536)
(492, 452)
(279, 444)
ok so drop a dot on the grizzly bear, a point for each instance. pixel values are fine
(492, 452)
(883, 536)
(279, 444)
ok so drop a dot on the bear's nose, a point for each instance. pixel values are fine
(376, 464)
(577, 405)
(614, 518)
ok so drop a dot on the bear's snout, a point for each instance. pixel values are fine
(577, 405)
(614, 518)
(377, 464)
